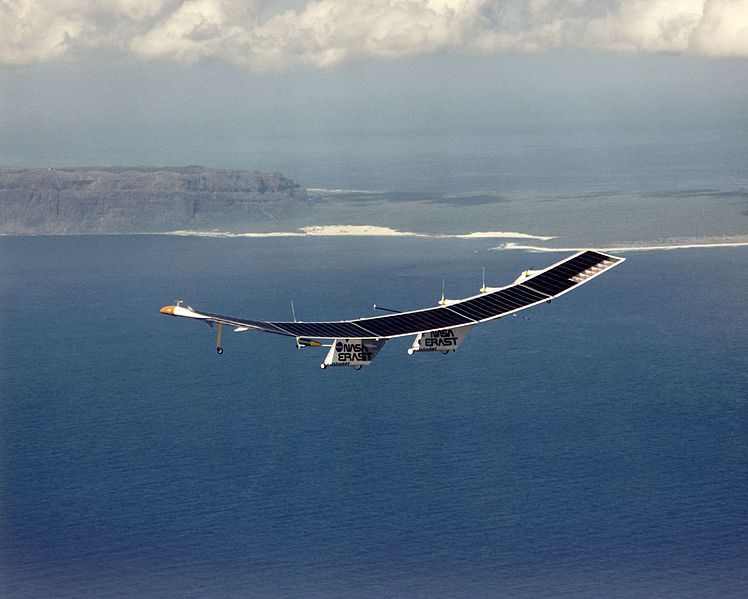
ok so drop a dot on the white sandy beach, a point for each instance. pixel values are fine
(377, 231)
(362, 231)
(623, 248)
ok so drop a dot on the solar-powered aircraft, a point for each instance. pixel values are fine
(442, 328)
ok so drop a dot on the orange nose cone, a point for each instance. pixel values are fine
(168, 310)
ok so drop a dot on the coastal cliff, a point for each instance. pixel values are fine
(141, 200)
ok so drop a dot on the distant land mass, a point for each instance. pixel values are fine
(141, 200)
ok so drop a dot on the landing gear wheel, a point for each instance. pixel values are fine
(219, 350)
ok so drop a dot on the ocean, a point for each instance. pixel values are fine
(596, 448)
(557, 157)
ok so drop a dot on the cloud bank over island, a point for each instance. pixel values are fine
(267, 36)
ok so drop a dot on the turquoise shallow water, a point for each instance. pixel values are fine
(599, 448)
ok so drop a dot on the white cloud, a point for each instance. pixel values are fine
(31, 32)
(623, 26)
(325, 33)
(37, 30)
(330, 32)
(196, 29)
(723, 30)
(647, 26)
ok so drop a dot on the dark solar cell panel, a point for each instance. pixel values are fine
(489, 305)
(444, 317)
(472, 310)
(455, 319)
(434, 318)
(549, 285)
(583, 262)
(399, 324)
(505, 300)
(320, 329)
(552, 282)
(559, 278)
(384, 328)
(528, 296)
(554, 277)
(345, 329)
(250, 323)
(597, 256)
(586, 260)
(273, 328)
(498, 302)
(564, 273)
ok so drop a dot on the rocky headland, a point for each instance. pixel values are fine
(142, 200)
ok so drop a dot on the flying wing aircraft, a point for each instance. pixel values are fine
(442, 328)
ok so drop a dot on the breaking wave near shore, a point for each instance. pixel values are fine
(380, 231)
(626, 248)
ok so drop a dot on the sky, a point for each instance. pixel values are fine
(293, 86)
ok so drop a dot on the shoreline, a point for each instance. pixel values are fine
(378, 231)
(359, 231)
(623, 248)
(681, 243)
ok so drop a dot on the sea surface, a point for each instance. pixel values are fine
(576, 159)
(596, 448)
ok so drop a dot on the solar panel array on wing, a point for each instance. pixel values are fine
(496, 303)
(560, 278)
(413, 322)
(330, 330)
(549, 283)
(256, 324)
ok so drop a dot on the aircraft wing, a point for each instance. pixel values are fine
(531, 288)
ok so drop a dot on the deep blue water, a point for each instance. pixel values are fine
(598, 449)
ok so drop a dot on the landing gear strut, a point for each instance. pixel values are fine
(219, 349)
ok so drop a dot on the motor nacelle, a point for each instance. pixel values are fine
(304, 342)
(352, 352)
(443, 340)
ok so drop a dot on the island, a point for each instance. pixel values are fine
(105, 200)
